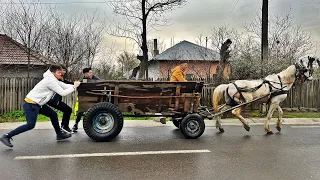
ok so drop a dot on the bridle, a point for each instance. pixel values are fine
(301, 71)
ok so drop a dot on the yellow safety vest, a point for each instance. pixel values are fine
(76, 107)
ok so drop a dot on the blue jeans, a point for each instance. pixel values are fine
(31, 112)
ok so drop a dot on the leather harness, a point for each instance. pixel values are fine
(279, 91)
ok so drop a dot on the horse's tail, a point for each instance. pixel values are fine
(218, 93)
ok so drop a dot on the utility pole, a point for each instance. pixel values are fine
(264, 34)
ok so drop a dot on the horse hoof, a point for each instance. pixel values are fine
(221, 130)
(278, 128)
(269, 132)
(247, 128)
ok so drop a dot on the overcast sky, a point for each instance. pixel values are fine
(199, 16)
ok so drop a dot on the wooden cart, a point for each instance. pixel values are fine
(107, 102)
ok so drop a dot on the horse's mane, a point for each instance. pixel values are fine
(287, 74)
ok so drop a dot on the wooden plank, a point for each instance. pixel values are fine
(5, 94)
(234, 107)
(142, 97)
(160, 102)
(176, 106)
(20, 99)
(11, 94)
(116, 93)
(142, 86)
(1, 96)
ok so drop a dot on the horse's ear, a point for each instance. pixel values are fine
(310, 62)
(301, 62)
(318, 61)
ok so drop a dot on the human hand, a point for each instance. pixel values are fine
(76, 84)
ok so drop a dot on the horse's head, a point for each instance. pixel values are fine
(304, 73)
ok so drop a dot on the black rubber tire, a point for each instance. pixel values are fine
(93, 112)
(192, 121)
(176, 123)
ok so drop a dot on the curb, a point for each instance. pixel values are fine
(152, 123)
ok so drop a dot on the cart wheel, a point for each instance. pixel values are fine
(192, 126)
(103, 122)
(176, 123)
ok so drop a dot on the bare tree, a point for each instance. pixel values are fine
(106, 70)
(246, 64)
(26, 23)
(221, 39)
(220, 34)
(104, 67)
(161, 46)
(93, 37)
(207, 57)
(141, 16)
(206, 68)
(127, 62)
(288, 43)
(73, 42)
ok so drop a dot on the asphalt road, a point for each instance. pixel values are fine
(236, 154)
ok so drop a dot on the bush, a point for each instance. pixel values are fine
(13, 114)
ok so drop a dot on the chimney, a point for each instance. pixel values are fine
(155, 47)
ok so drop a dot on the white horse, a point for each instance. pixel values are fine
(242, 91)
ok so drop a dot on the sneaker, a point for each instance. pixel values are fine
(75, 128)
(63, 135)
(66, 128)
(6, 140)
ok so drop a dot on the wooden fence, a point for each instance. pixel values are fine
(14, 90)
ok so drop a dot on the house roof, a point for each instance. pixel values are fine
(12, 52)
(188, 51)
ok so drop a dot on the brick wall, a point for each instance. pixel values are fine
(198, 69)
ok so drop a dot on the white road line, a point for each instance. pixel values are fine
(305, 126)
(112, 154)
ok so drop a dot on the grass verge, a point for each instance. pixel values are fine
(257, 114)
(18, 116)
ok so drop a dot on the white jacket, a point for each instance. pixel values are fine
(49, 85)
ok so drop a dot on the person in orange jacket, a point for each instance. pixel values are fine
(179, 73)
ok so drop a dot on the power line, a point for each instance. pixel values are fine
(71, 2)
(231, 11)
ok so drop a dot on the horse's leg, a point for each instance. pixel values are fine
(237, 113)
(272, 108)
(218, 121)
(218, 124)
(279, 122)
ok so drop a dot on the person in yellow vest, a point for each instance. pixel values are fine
(179, 73)
(88, 76)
